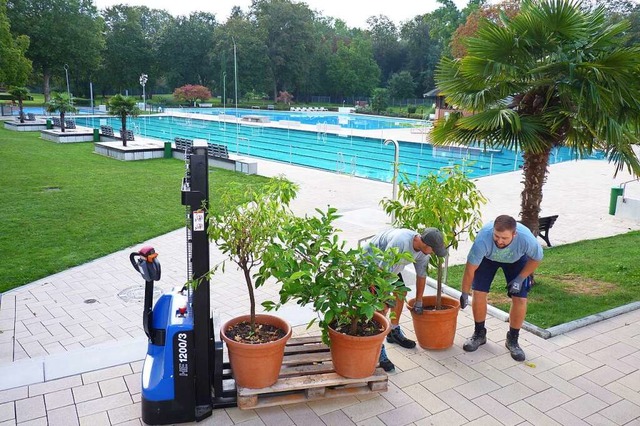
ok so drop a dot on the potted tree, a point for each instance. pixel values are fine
(449, 201)
(347, 288)
(19, 94)
(123, 106)
(255, 341)
(62, 104)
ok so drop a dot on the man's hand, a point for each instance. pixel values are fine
(515, 286)
(464, 300)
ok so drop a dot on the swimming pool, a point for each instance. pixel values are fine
(358, 156)
(349, 121)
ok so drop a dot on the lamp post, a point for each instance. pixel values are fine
(66, 73)
(235, 76)
(224, 90)
(143, 82)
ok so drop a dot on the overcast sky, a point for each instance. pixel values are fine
(353, 12)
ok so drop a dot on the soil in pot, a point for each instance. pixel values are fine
(264, 333)
(254, 365)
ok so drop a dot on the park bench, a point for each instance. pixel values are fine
(107, 131)
(128, 135)
(183, 144)
(218, 151)
(69, 124)
(544, 224)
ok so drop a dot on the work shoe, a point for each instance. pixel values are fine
(516, 351)
(384, 361)
(478, 338)
(396, 336)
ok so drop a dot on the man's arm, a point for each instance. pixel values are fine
(529, 268)
(467, 277)
(420, 284)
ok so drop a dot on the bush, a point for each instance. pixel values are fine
(411, 109)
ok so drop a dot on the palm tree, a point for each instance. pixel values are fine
(123, 106)
(19, 94)
(553, 75)
(60, 102)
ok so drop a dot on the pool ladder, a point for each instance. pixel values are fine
(341, 165)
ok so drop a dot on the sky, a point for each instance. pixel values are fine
(353, 12)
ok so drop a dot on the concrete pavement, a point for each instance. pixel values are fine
(71, 344)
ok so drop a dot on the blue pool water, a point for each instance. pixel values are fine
(349, 121)
(359, 156)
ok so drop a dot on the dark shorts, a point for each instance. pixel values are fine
(487, 269)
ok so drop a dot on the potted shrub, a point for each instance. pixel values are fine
(450, 201)
(60, 103)
(346, 287)
(255, 342)
(123, 106)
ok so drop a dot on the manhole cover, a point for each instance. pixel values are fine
(136, 293)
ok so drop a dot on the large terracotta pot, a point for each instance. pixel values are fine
(256, 366)
(435, 329)
(356, 357)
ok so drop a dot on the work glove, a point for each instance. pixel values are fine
(515, 286)
(464, 300)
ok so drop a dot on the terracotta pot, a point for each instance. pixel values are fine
(356, 357)
(256, 366)
(435, 329)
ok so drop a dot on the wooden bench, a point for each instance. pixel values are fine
(107, 131)
(69, 124)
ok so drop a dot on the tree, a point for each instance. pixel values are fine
(553, 75)
(61, 32)
(128, 49)
(193, 64)
(401, 85)
(19, 93)
(285, 97)
(388, 52)
(123, 106)
(60, 103)
(352, 70)
(192, 93)
(14, 66)
(380, 100)
(286, 29)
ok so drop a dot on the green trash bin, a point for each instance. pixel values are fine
(616, 191)
(96, 135)
(168, 153)
(49, 124)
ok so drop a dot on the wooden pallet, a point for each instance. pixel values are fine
(307, 374)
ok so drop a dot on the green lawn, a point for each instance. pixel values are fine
(576, 280)
(61, 205)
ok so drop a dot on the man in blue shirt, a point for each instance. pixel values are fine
(509, 245)
(421, 246)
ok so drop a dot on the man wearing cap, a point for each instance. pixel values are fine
(420, 245)
(508, 245)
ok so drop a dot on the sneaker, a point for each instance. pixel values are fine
(384, 361)
(516, 351)
(396, 336)
(478, 338)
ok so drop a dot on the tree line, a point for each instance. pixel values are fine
(274, 46)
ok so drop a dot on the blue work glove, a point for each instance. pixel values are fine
(515, 286)
(464, 300)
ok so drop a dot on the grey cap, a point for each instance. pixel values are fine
(434, 239)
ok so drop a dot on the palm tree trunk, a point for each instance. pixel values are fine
(534, 173)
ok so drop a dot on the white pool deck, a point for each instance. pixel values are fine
(64, 361)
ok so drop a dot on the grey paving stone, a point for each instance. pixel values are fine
(30, 408)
